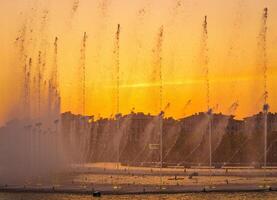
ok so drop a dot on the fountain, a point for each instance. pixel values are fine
(205, 63)
(262, 43)
(83, 73)
(47, 144)
(117, 69)
(34, 138)
(159, 63)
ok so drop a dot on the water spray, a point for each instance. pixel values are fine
(159, 64)
(263, 48)
(53, 91)
(26, 88)
(20, 43)
(174, 144)
(205, 60)
(186, 106)
(55, 64)
(233, 107)
(83, 72)
(39, 79)
(205, 63)
(117, 70)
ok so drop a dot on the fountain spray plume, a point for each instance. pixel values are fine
(117, 71)
(154, 128)
(20, 40)
(27, 88)
(219, 129)
(75, 7)
(186, 106)
(176, 139)
(44, 20)
(263, 49)
(53, 87)
(55, 64)
(174, 143)
(205, 63)
(222, 127)
(159, 63)
(205, 60)
(43, 43)
(25, 84)
(20, 43)
(25, 43)
(82, 70)
(38, 82)
(233, 107)
(197, 139)
(117, 67)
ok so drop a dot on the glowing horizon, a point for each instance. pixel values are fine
(235, 69)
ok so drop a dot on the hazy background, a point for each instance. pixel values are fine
(233, 29)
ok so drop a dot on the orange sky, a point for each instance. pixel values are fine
(233, 28)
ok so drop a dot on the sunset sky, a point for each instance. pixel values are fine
(235, 70)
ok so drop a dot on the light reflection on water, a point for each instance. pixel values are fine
(202, 196)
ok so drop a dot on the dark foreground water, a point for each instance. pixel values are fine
(202, 196)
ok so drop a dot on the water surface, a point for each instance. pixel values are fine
(193, 196)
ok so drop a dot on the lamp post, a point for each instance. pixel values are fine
(56, 122)
(210, 115)
(265, 110)
(161, 144)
